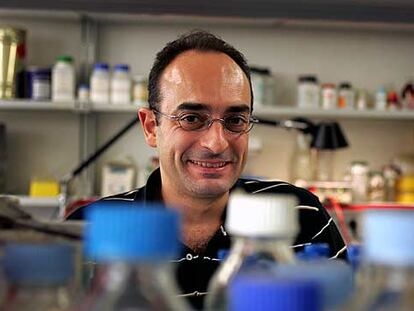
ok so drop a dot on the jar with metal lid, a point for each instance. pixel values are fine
(346, 95)
(329, 96)
(359, 181)
(308, 92)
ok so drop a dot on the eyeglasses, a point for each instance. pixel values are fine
(191, 121)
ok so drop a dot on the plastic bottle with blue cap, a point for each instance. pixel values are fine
(131, 245)
(39, 277)
(264, 227)
(100, 84)
(267, 293)
(386, 275)
(121, 85)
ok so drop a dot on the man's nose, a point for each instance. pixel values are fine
(215, 138)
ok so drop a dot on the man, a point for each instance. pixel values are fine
(199, 116)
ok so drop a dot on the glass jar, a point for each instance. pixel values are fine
(359, 180)
(140, 91)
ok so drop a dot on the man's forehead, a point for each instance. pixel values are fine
(193, 62)
(204, 77)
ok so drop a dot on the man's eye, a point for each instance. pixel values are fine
(191, 118)
(236, 120)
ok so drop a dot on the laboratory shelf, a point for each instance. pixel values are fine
(275, 112)
(32, 105)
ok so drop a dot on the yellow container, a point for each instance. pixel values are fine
(405, 184)
(44, 188)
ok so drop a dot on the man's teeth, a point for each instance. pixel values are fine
(207, 164)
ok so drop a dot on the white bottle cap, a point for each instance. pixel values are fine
(262, 215)
(389, 237)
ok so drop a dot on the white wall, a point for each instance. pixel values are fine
(366, 58)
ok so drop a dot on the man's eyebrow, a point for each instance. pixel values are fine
(192, 106)
(201, 106)
(240, 108)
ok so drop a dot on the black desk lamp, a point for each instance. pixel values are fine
(326, 137)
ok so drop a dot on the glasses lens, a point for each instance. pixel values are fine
(193, 122)
(236, 124)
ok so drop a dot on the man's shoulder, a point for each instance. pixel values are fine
(129, 196)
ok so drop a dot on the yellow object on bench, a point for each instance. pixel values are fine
(44, 188)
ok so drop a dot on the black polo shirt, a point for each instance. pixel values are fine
(194, 270)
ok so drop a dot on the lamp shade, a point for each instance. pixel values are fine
(328, 135)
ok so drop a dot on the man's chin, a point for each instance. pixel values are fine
(209, 189)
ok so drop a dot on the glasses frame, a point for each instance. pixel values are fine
(251, 122)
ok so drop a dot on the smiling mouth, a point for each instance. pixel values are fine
(209, 164)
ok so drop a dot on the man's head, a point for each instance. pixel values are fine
(194, 78)
(196, 40)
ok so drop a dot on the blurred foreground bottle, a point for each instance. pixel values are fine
(386, 277)
(39, 277)
(131, 245)
(264, 227)
(266, 293)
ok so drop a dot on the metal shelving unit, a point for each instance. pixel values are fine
(263, 112)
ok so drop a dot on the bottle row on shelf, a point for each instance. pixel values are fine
(59, 84)
(312, 94)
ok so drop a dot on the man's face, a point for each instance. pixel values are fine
(203, 163)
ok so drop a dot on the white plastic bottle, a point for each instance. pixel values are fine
(39, 276)
(99, 84)
(263, 226)
(121, 85)
(63, 79)
(131, 245)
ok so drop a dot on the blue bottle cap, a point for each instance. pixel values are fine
(131, 231)
(388, 237)
(39, 264)
(334, 276)
(121, 67)
(101, 66)
(266, 293)
(315, 251)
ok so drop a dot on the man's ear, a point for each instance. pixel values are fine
(149, 125)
